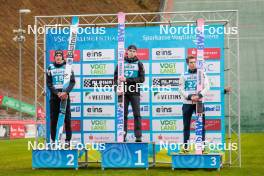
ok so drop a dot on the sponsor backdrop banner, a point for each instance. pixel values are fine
(162, 51)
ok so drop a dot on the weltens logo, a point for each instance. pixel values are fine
(100, 97)
(166, 97)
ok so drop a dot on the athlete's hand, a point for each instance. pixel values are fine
(122, 79)
(195, 98)
(120, 90)
(63, 95)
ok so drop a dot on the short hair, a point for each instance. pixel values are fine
(132, 47)
(190, 57)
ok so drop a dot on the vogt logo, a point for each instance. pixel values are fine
(98, 97)
(167, 125)
(168, 53)
(75, 111)
(98, 111)
(93, 82)
(173, 82)
(168, 68)
(166, 97)
(99, 125)
(98, 69)
(214, 80)
(212, 110)
(98, 55)
(166, 110)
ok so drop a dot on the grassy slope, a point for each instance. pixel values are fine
(16, 160)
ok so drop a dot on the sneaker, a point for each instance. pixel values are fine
(138, 140)
(184, 150)
(67, 144)
(206, 150)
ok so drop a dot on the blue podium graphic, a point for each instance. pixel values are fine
(55, 159)
(206, 161)
(125, 155)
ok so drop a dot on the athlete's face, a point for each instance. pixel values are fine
(58, 59)
(192, 64)
(131, 53)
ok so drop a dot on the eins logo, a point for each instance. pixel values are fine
(163, 53)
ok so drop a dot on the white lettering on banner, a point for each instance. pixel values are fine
(75, 111)
(209, 137)
(168, 68)
(98, 55)
(98, 125)
(167, 125)
(99, 111)
(99, 137)
(170, 137)
(168, 53)
(212, 96)
(131, 137)
(212, 67)
(76, 69)
(212, 110)
(75, 97)
(77, 83)
(144, 110)
(158, 97)
(98, 69)
(214, 80)
(166, 110)
(98, 97)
